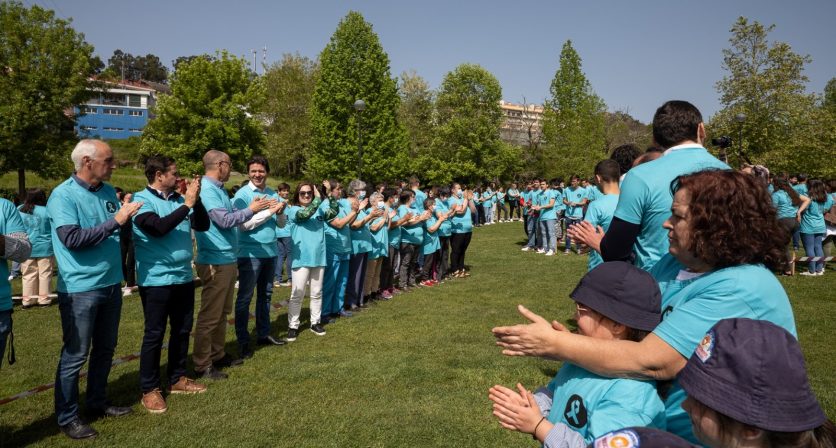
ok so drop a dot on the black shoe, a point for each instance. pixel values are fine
(111, 411)
(324, 320)
(270, 340)
(212, 373)
(227, 361)
(292, 334)
(318, 329)
(245, 351)
(77, 429)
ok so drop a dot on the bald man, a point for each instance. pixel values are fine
(217, 252)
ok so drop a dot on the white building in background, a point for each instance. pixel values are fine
(522, 124)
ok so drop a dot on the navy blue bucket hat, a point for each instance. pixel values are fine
(753, 371)
(622, 293)
(640, 437)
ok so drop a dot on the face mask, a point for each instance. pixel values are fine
(362, 195)
(459, 194)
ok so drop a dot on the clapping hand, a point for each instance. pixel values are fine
(192, 192)
(126, 212)
(259, 203)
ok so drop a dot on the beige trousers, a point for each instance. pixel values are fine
(37, 275)
(372, 283)
(216, 300)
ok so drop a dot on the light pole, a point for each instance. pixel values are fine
(359, 106)
(740, 118)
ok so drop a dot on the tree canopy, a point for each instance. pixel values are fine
(210, 107)
(133, 68)
(354, 66)
(44, 69)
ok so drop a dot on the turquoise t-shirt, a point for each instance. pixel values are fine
(575, 195)
(812, 220)
(380, 238)
(282, 229)
(418, 203)
(559, 195)
(308, 235)
(165, 260)
(646, 198)
(593, 405)
(801, 189)
(461, 223)
(593, 193)
(361, 239)
(500, 198)
(10, 222)
(692, 305)
(431, 242)
(526, 197)
(411, 234)
(487, 198)
(259, 242)
(216, 245)
(545, 198)
(92, 267)
(39, 231)
(783, 205)
(599, 213)
(338, 241)
(394, 233)
(446, 228)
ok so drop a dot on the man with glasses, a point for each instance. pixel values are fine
(86, 218)
(217, 252)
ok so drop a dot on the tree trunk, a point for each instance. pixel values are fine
(21, 184)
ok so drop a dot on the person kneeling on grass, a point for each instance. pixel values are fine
(614, 301)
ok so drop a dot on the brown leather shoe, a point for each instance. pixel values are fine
(154, 402)
(187, 386)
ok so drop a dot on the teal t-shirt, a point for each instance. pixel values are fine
(338, 241)
(575, 195)
(691, 305)
(394, 233)
(282, 229)
(599, 213)
(801, 189)
(361, 239)
(411, 234)
(92, 267)
(593, 405)
(500, 198)
(418, 203)
(431, 242)
(646, 198)
(446, 228)
(526, 197)
(545, 198)
(783, 205)
(10, 222)
(487, 198)
(812, 220)
(165, 260)
(559, 195)
(461, 223)
(380, 237)
(39, 230)
(259, 242)
(308, 236)
(593, 193)
(216, 245)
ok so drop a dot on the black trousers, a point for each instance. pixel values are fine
(458, 248)
(409, 263)
(444, 256)
(429, 263)
(161, 304)
(514, 205)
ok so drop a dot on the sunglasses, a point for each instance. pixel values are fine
(305, 193)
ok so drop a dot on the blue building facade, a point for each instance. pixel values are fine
(117, 112)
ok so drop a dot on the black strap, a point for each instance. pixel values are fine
(12, 358)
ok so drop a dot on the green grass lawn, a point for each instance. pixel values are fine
(413, 371)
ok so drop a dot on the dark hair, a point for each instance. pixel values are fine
(816, 191)
(295, 200)
(389, 192)
(624, 155)
(428, 202)
(283, 186)
(405, 195)
(733, 221)
(233, 190)
(653, 149)
(609, 170)
(444, 191)
(801, 177)
(34, 196)
(157, 163)
(675, 122)
(261, 160)
(781, 184)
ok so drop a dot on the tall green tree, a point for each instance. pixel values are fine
(353, 66)
(466, 146)
(417, 112)
(573, 120)
(133, 68)
(44, 69)
(829, 99)
(211, 106)
(765, 81)
(289, 86)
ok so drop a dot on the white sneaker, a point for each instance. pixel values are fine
(550, 253)
(541, 251)
(526, 249)
(809, 274)
(236, 285)
(820, 273)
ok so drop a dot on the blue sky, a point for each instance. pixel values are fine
(636, 54)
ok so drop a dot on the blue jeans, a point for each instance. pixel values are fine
(796, 236)
(813, 248)
(531, 230)
(5, 329)
(569, 223)
(547, 230)
(254, 273)
(285, 244)
(488, 213)
(90, 323)
(333, 286)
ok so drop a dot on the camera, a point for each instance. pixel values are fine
(722, 142)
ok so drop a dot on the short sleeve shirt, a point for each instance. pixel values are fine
(812, 220)
(338, 241)
(461, 223)
(10, 222)
(39, 230)
(600, 213)
(783, 205)
(575, 195)
(165, 260)
(308, 237)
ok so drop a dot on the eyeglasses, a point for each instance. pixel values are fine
(222, 162)
(581, 308)
(305, 193)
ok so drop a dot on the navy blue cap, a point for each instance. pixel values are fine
(753, 371)
(623, 293)
(640, 437)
